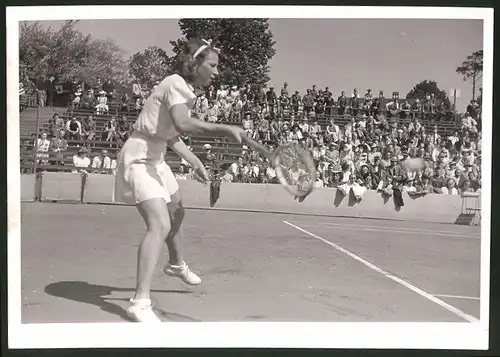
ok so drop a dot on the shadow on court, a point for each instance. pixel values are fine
(97, 295)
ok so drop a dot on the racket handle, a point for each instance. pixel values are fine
(256, 146)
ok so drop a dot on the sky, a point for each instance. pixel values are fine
(392, 55)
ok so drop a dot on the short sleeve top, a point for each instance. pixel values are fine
(155, 119)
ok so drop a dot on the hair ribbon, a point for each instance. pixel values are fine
(203, 47)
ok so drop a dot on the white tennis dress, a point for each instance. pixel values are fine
(141, 171)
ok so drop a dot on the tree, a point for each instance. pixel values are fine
(472, 69)
(68, 54)
(246, 47)
(149, 66)
(422, 89)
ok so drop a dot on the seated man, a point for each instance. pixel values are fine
(74, 129)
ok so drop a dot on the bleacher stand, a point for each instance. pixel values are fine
(356, 141)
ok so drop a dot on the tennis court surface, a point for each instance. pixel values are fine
(79, 263)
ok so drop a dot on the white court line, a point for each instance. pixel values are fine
(457, 297)
(393, 230)
(406, 284)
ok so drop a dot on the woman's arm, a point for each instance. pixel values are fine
(184, 123)
(177, 145)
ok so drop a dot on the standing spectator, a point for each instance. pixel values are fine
(355, 103)
(284, 90)
(343, 103)
(74, 129)
(308, 102)
(272, 101)
(295, 101)
(41, 92)
(329, 103)
(49, 89)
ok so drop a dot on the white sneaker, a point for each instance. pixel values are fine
(183, 272)
(141, 311)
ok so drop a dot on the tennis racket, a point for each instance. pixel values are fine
(295, 169)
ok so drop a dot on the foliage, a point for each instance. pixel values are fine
(422, 89)
(472, 68)
(68, 54)
(149, 66)
(246, 47)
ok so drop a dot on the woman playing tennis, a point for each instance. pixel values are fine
(143, 177)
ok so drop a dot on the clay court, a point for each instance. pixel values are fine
(79, 260)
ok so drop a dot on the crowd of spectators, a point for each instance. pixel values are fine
(363, 154)
(366, 153)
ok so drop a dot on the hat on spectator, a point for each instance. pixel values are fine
(102, 92)
(104, 151)
(207, 146)
(83, 150)
(394, 159)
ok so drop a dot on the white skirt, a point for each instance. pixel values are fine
(141, 171)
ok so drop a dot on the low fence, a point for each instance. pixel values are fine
(97, 188)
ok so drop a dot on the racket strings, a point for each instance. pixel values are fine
(295, 168)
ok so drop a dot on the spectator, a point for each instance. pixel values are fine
(110, 133)
(88, 129)
(208, 158)
(212, 112)
(123, 129)
(81, 161)
(59, 146)
(56, 124)
(74, 129)
(125, 103)
(102, 104)
(87, 100)
(449, 188)
(183, 173)
(42, 149)
(77, 97)
(102, 162)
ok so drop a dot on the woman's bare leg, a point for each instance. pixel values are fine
(156, 217)
(177, 266)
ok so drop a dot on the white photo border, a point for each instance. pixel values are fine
(239, 334)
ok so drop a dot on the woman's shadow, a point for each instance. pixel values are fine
(84, 292)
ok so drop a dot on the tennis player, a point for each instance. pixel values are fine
(144, 179)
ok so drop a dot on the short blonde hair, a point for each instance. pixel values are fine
(186, 64)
